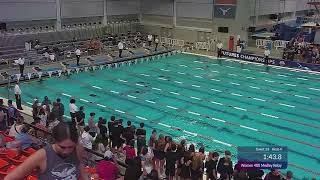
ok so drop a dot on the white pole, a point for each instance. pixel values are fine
(58, 13)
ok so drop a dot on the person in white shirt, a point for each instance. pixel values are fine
(149, 39)
(52, 57)
(78, 54)
(120, 47)
(219, 46)
(87, 139)
(73, 109)
(156, 41)
(20, 62)
(16, 127)
(17, 93)
(266, 56)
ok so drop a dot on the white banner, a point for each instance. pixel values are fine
(68, 70)
(18, 76)
(39, 74)
(50, 73)
(94, 67)
(59, 72)
(101, 67)
(77, 69)
(29, 76)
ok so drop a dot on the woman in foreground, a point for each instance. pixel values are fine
(58, 161)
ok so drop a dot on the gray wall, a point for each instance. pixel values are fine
(33, 10)
(27, 10)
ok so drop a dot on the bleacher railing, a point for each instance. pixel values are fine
(262, 43)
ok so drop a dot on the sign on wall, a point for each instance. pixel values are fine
(225, 11)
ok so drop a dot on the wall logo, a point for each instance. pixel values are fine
(225, 11)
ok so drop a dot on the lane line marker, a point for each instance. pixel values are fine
(139, 85)
(253, 129)
(302, 79)
(191, 133)
(97, 87)
(165, 70)
(199, 68)
(171, 107)
(157, 89)
(264, 73)
(66, 94)
(291, 85)
(147, 75)
(314, 89)
(67, 116)
(248, 77)
(275, 91)
(306, 97)
(235, 94)
(195, 98)
(287, 105)
(115, 92)
(29, 103)
(235, 83)
(216, 103)
(181, 73)
(132, 96)
(220, 120)
(198, 77)
(174, 93)
(216, 90)
(142, 118)
(164, 125)
(215, 71)
(269, 81)
(194, 113)
(268, 115)
(119, 111)
(232, 74)
(101, 105)
(178, 82)
(282, 75)
(246, 69)
(183, 65)
(258, 99)
(216, 80)
(254, 87)
(239, 108)
(152, 102)
(230, 67)
(195, 86)
(162, 78)
(122, 80)
(84, 100)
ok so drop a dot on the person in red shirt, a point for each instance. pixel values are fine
(107, 168)
(129, 151)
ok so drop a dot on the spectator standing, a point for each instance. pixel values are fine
(17, 93)
(80, 116)
(274, 174)
(78, 54)
(103, 131)
(21, 62)
(128, 132)
(149, 39)
(12, 113)
(171, 158)
(219, 46)
(129, 151)
(73, 109)
(156, 41)
(120, 47)
(141, 137)
(266, 56)
(60, 109)
(211, 166)
(87, 139)
(224, 167)
(197, 165)
(91, 123)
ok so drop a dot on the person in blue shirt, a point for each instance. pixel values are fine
(24, 140)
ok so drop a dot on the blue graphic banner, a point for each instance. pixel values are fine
(272, 61)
